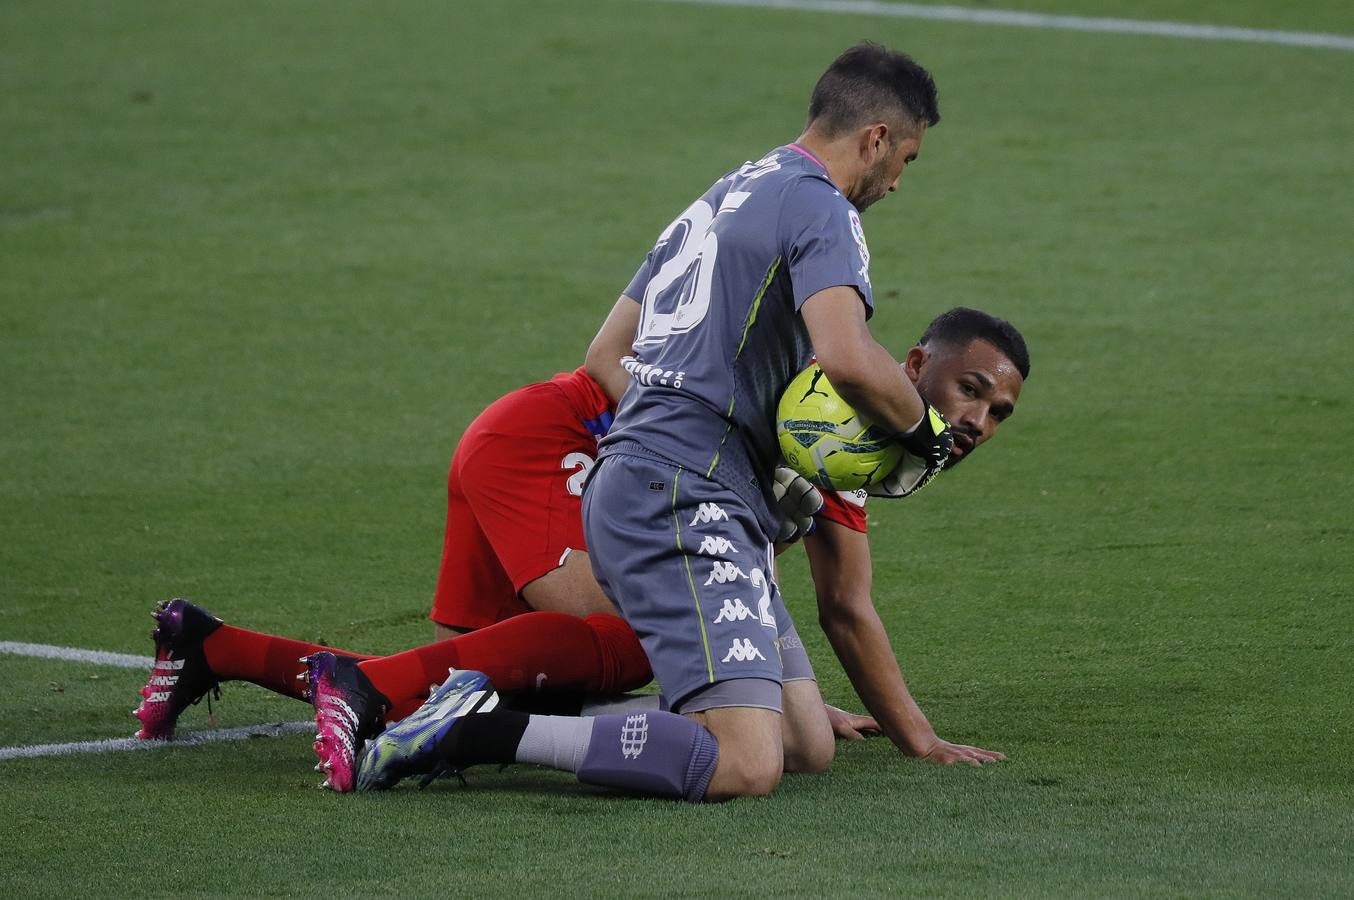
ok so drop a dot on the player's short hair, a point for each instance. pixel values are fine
(961, 326)
(869, 83)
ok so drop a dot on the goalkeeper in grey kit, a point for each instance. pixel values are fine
(767, 269)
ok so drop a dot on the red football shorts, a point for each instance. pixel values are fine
(513, 509)
(513, 498)
(845, 508)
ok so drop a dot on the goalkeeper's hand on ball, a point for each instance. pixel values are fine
(798, 501)
(925, 449)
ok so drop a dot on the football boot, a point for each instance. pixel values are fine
(348, 712)
(424, 743)
(180, 676)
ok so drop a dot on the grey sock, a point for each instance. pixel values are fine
(660, 754)
(559, 742)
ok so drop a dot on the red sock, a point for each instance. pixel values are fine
(266, 660)
(625, 665)
(528, 652)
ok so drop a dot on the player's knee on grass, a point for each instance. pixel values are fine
(751, 755)
(809, 742)
(812, 757)
(745, 770)
(569, 589)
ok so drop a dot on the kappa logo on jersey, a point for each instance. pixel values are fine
(724, 572)
(634, 734)
(707, 513)
(716, 546)
(742, 650)
(734, 610)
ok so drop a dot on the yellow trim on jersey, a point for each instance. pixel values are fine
(742, 341)
(690, 579)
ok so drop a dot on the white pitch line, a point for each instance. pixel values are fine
(111, 745)
(75, 654)
(1043, 20)
(186, 739)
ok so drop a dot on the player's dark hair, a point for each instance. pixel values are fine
(960, 326)
(868, 83)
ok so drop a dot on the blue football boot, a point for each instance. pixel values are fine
(419, 744)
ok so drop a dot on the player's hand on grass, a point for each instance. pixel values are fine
(848, 726)
(798, 500)
(948, 754)
(925, 450)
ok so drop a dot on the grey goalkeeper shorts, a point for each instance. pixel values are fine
(692, 572)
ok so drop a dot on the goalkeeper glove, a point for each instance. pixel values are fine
(925, 449)
(798, 501)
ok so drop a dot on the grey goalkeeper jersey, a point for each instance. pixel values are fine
(720, 334)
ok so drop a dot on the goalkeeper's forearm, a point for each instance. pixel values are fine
(863, 372)
(874, 385)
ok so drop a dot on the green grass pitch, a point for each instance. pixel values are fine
(261, 263)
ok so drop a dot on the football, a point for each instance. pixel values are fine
(823, 439)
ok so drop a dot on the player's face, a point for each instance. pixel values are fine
(974, 387)
(881, 177)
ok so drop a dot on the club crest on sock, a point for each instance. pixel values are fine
(634, 734)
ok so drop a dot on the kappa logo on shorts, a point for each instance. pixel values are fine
(634, 734)
(734, 610)
(716, 546)
(707, 513)
(724, 572)
(742, 650)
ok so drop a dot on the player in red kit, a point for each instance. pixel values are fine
(515, 594)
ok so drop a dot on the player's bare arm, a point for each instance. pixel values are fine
(840, 562)
(613, 340)
(862, 371)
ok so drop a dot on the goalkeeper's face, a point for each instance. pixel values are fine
(975, 387)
